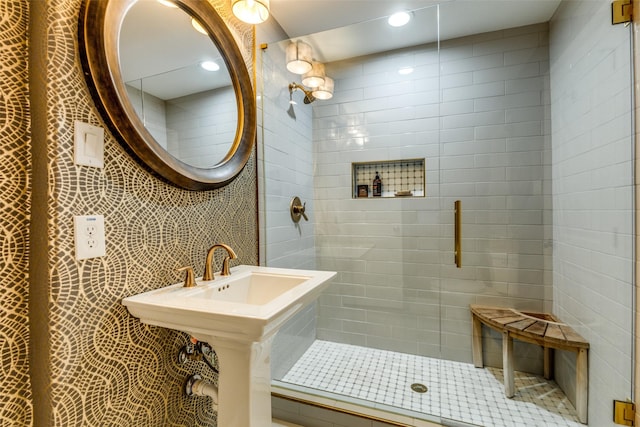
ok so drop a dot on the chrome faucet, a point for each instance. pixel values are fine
(208, 265)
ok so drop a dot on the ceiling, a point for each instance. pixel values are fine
(156, 60)
(339, 29)
(336, 29)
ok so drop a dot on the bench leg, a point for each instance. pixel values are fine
(548, 363)
(507, 364)
(476, 342)
(582, 384)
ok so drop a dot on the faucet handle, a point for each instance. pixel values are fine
(225, 267)
(189, 280)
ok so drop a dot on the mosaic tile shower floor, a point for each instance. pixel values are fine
(456, 391)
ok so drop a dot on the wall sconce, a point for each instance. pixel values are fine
(315, 83)
(251, 11)
(314, 77)
(299, 57)
(325, 90)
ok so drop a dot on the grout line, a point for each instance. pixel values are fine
(456, 390)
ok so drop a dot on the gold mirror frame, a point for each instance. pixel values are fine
(98, 30)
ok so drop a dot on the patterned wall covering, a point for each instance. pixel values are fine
(15, 165)
(106, 369)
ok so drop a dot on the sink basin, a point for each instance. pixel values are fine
(253, 288)
(238, 315)
(250, 304)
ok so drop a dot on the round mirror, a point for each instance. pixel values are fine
(172, 86)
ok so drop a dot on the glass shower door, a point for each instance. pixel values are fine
(536, 143)
(382, 308)
(530, 129)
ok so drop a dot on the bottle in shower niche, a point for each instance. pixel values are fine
(377, 186)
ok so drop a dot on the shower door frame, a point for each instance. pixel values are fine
(634, 297)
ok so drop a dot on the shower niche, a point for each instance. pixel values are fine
(398, 178)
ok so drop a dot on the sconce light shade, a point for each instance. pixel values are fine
(315, 77)
(251, 11)
(299, 57)
(325, 90)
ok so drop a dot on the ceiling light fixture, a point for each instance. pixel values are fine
(209, 66)
(399, 19)
(251, 11)
(168, 3)
(405, 70)
(198, 26)
(299, 57)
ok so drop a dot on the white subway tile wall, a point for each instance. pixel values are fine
(480, 111)
(203, 120)
(593, 197)
(480, 124)
(190, 125)
(285, 147)
(154, 115)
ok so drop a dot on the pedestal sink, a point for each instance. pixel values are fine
(238, 315)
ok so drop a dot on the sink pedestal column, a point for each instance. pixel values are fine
(244, 383)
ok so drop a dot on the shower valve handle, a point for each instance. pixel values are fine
(301, 209)
(297, 209)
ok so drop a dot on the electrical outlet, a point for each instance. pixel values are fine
(89, 236)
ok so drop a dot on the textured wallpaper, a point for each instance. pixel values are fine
(104, 368)
(15, 165)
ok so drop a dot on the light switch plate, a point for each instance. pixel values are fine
(89, 236)
(88, 145)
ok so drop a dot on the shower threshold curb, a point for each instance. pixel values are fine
(348, 405)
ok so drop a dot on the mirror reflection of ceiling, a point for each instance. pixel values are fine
(334, 36)
(148, 49)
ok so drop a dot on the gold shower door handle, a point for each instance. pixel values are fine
(457, 233)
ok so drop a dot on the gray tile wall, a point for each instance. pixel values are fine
(484, 126)
(206, 121)
(286, 148)
(593, 197)
(482, 123)
(198, 129)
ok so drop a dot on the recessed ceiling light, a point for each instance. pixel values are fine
(399, 19)
(198, 26)
(168, 3)
(210, 66)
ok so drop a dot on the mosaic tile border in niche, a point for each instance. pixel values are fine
(400, 178)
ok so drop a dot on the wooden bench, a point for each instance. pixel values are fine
(537, 328)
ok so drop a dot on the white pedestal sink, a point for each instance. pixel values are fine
(238, 315)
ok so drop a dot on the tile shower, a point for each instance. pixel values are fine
(519, 125)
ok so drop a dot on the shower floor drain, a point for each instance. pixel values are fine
(419, 388)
